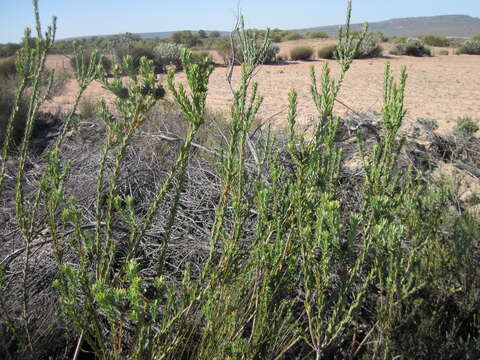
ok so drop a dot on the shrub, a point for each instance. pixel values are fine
(476, 37)
(138, 51)
(168, 54)
(198, 57)
(186, 38)
(292, 35)
(470, 47)
(435, 40)
(7, 67)
(316, 35)
(327, 52)
(301, 53)
(224, 49)
(411, 47)
(466, 126)
(369, 47)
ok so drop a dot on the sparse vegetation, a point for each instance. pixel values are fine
(301, 53)
(168, 54)
(224, 240)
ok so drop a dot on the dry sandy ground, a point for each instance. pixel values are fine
(441, 87)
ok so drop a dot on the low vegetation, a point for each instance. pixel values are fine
(435, 40)
(470, 47)
(301, 53)
(410, 47)
(159, 231)
(316, 35)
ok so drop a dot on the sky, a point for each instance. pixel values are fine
(100, 17)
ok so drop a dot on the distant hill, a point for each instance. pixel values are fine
(446, 25)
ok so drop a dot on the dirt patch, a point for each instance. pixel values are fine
(441, 88)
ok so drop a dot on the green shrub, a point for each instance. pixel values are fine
(466, 126)
(316, 35)
(186, 38)
(411, 47)
(301, 53)
(224, 49)
(292, 35)
(476, 37)
(168, 54)
(435, 40)
(470, 47)
(327, 52)
(7, 67)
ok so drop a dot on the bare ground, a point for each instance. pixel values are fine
(441, 87)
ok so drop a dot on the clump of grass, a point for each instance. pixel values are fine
(301, 53)
(465, 126)
(430, 124)
(87, 108)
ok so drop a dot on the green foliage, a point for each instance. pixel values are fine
(327, 52)
(198, 57)
(435, 40)
(7, 68)
(471, 47)
(411, 47)
(7, 101)
(316, 35)
(214, 34)
(301, 53)
(202, 34)
(369, 46)
(466, 126)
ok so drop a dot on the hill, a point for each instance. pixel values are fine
(445, 25)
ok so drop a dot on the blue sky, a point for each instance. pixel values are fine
(94, 17)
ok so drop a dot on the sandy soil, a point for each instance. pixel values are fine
(441, 87)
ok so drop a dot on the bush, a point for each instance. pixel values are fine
(476, 37)
(327, 52)
(224, 49)
(168, 54)
(198, 57)
(435, 40)
(316, 35)
(430, 124)
(369, 47)
(411, 47)
(470, 47)
(466, 126)
(186, 38)
(292, 35)
(7, 67)
(301, 53)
